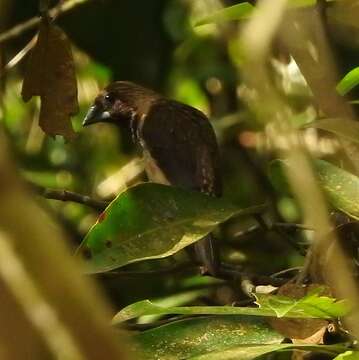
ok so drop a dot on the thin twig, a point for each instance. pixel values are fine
(282, 234)
(56, 11)
(226, 272)
(186, 266)
(286, 271)
(291, 226)
(18, 57)
(65, 195)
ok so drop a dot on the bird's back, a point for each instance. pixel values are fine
(182, 143)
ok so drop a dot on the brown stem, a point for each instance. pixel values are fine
(56, 11)
(65, 195)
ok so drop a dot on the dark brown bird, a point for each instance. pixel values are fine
(178, 144)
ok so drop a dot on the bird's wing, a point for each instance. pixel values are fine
(182, 142)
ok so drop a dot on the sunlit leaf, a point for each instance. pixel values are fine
(152, 221)
(220, 337)
(341, 187)
(245, 352)
(348, 355)
(301, 3)
(346, 128)
(295, 296)
(50, 74)
(349, 81)
(185, 339)
(312, 306)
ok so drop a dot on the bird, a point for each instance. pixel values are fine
(177, 141)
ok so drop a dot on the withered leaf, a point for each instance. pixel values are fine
(50, 74)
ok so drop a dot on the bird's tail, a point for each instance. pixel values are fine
(207, 254)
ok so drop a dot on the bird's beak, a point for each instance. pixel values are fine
(95, 115)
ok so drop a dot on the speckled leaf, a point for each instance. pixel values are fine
(341, 187)
(152, 221)
(185, 339)
(345, 128)
(310, 306)
(249, 352)
(50, 74)
(216, 337)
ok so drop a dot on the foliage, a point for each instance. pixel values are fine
(287, 135)
(167, 220)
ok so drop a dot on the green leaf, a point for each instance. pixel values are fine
(278, 177)
(245, 352)
(341, 187)
(348, 355)
(152, 221)
(235, 12)
(345, 128)
(188, 338)
(174, 300)
(311, 306)
(348, 82)
(243, 11)
(301, 3)
(219, 338)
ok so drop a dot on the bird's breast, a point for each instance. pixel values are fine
(153, 171)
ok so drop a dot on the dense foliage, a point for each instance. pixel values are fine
(278, 82)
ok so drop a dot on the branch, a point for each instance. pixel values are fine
(18, 57)
(226, 272)
(56, 11)
(65, 195)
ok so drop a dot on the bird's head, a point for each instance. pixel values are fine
(120, 102)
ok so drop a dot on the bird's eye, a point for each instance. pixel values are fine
(109, 98)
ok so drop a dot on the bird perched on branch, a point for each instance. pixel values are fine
(177, 141)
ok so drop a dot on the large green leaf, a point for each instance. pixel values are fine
(345, 128)
(341, 187)
(243, 11)
(152, 221)
(220, 337)
(249, 352)
(310, 306)
(187, 338)
(177, 299)
(349, 81)
(348, 355)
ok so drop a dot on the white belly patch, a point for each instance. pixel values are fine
(153, 172)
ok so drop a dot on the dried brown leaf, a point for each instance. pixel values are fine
(51, 75)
